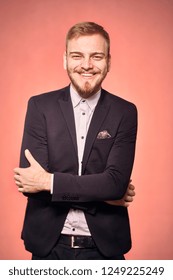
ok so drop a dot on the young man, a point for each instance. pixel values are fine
(82, 144)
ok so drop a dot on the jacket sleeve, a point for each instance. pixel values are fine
(35, 139)
(110, 184)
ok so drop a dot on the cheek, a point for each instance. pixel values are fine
(73, 67)
(102, 67)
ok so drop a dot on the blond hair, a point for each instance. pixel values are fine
(87, 28)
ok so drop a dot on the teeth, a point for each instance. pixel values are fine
(87, 75)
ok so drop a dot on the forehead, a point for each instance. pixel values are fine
(87, 44)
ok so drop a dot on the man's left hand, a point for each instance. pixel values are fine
(32, 179)
(127, 198)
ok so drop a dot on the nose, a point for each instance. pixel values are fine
(86, 64)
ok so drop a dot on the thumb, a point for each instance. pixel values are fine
(30, 158)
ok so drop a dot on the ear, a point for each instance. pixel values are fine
(109, 62)
(65, 60)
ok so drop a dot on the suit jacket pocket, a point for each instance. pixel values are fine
(99, 154)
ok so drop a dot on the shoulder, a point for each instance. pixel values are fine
(45, 102)
(50, 97)
(117, 102)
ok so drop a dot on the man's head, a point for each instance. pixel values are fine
(87, 57)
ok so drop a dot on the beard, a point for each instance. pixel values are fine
(86, 90)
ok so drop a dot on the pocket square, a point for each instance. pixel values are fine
(103, 135)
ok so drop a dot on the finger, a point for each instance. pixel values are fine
(18, 184)
(20, 189)
(131, 187)
(128, 194)
(16, 170)
(126, 204)
(17, 177)
(128, 199)
(30, 158)
(131, 192)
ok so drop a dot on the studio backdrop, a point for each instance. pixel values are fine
(32, 42)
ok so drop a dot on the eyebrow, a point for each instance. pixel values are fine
(94, 53)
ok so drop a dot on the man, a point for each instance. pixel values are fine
(79, 144)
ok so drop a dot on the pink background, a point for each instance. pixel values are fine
(32, 44)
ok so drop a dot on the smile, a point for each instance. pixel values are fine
(87, 75)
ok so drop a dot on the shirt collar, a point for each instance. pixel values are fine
(91, 101)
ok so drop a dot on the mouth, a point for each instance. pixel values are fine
(87, 75)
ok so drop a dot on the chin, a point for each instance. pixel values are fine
(87, 91)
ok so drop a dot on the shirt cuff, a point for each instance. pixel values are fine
(51, 185)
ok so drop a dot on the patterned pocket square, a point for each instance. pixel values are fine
(103, 135)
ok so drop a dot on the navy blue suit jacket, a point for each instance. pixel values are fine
(50, 136)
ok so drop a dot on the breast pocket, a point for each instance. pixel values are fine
(102, 147)
(99, 154)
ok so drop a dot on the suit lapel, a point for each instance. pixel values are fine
(99, 115)
(67, 111)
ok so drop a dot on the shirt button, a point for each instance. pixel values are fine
(73, 229)
(82, 137)
(83, 114)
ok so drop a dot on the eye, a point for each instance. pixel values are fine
(76, 56)
(97, 57)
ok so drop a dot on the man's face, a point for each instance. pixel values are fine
(87, 63)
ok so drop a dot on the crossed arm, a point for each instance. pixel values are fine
(34, 179)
